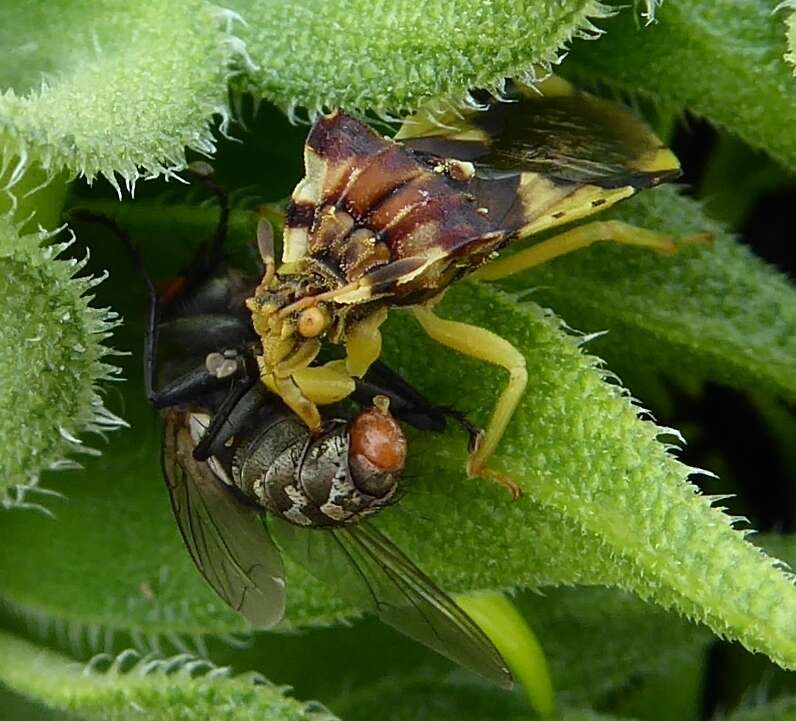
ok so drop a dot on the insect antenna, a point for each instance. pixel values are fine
(214, 252)
(153, 310)
(265, 244)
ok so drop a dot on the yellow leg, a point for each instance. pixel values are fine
(363, 343)
(324, 384)
(582, 237)
(484, 345)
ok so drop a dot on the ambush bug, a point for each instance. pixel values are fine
(379, 223)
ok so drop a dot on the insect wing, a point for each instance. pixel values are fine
(226, 538)
(366, 568)
(405, 219)
(549, 157)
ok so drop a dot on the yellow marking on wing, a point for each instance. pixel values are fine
(547, 204)
(656, 160)
(424, 124)
(351, 294)
(433, 255)
(552, 86)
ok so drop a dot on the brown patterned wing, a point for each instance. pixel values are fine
(226, 538)
(409, 217)
(549, 156)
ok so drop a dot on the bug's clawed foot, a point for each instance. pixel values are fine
(501, 479)
(700, 239)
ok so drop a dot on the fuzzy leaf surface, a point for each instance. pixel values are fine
(605, 502)
(142, 687)
(111, 87)
(716, 313)
(722, 59)
(391, 57)
(51, 359)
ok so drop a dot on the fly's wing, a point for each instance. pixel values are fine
(548, 157)
(226, 538)
(404, 219)
(366, 568)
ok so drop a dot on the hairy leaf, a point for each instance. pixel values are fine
(133, 687)
(791, 34)
(722, 59)
(50, 361)
(111, 87)
(783, 709)
(390, 57)
(715, 313)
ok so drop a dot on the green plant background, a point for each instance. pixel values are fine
(624, 571)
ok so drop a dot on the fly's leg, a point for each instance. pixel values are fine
(484, 345)
(582, 237)
(210, 254)
(153, 306)
(408, 404)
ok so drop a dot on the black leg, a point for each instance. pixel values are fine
(210, 254)
(191, 387)
(153, 309)
(407, 403)
(221, 427)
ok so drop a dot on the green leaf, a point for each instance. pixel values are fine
(408, 698)
(393, 57)
(19, 707)
(597, 643)
(133, 687)
(600, 641)
(791, 33)
(779, 710)
(748, 90)
(716, 313)
(111, 87)
(50, 360)
(605, 502)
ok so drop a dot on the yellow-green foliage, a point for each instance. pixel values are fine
(123, 90)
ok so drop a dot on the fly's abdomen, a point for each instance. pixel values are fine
(310, 481)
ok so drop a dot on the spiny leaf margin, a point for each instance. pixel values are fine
(586, 462)
(127, 686)
(391, 58)
(51, 361)
(790, 26)
(124, 88)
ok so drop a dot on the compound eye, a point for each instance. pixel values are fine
(312, 322)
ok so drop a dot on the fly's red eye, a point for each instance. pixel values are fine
(376, 436)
